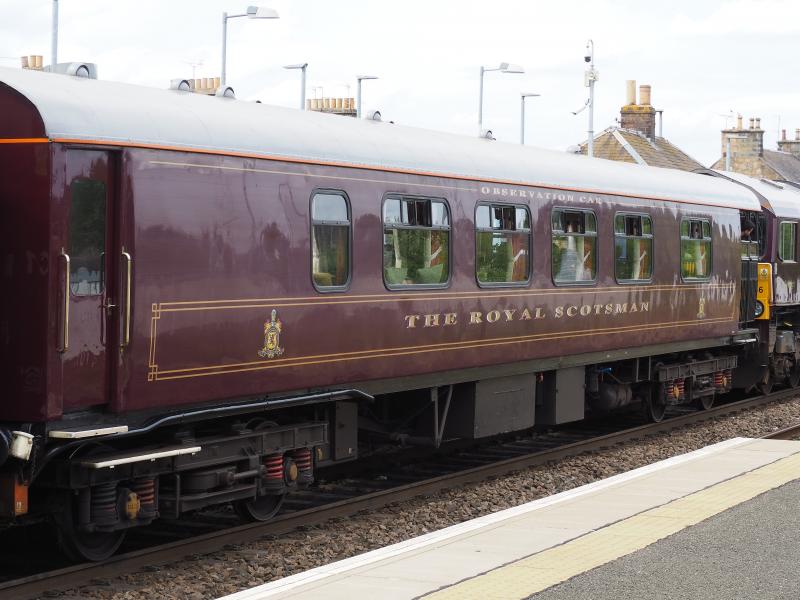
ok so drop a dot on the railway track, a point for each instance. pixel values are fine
(331, 501)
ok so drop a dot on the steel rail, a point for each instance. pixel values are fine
(78, 575)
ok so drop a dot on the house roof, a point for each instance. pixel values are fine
(784, 163)
(77, 109)
(659, 152)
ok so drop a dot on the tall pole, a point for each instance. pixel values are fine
(591, 76)
(728, 154)
(358, 98)
(54, 36)
(480, 103)
(303, 87)
(224, 47)
(522, 119)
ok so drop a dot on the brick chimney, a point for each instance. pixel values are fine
(791, 146)
(747, 147)
(639, 117)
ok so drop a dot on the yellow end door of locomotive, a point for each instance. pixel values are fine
(764, 291)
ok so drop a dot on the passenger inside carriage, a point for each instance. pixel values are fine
(748, 229)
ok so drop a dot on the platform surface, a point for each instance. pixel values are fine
(532, 549)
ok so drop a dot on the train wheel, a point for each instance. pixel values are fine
(705, 402)
(260, 509)
(794, 376)
(80, 546)
(653, 404)
(766, 384)
(83, 546)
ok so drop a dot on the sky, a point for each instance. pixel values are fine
(703, 59)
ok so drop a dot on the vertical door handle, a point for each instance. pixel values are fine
(65, 331)
(126, 314)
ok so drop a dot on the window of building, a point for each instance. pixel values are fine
(502, 239)
(87, 237)
(633, 247)
(696, 256)
(574, 246)
(416, 241)
(787, 244)
(330, 240)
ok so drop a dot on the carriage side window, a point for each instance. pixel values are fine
(696, 256)
(87, 237)
(574, 257)
(330, 240)
(633, 247)
(416, 241)
(787, 244)
(502, 237)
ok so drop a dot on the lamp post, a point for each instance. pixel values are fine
(302, 67)
(360, 78)
(54, 36)
(522, 115)
(503, 68)
(253, 12)
(728, 139)
(590, 77)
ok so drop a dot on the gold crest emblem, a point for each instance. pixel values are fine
(272, 337)
(701, 309)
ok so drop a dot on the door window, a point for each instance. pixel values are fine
(87, 237)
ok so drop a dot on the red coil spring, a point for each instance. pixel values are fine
(274, 466)
(145, 489)
(729, 376)
(679, 383)
(302, 458)
(719, 380)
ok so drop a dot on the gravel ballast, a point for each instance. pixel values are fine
(265, 560)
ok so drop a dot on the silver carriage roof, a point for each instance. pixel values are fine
(783, 200)
(85, 109)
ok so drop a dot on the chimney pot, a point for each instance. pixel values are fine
(797, 134)
(758, 122)
(739, 122)
(783, 135)
(24, 60)
(644, 95)
(752, 123)
(630, 92)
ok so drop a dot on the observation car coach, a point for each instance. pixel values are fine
(209, 299)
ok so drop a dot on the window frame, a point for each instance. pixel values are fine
(450, 229)
(780, 240)
(490, 204)
(325, 289)
(710, 238)
(651, 237)
(596, 236)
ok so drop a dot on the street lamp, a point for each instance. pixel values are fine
(728, 139)
(253, 12)
(591, 76)
(522, 115)
(360, 78)
(302, 67)
(503, 68)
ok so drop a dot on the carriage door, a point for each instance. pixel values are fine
(88, 329)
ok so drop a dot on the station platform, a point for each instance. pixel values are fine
(725, 515)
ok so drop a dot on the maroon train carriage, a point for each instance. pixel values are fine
(207, 299)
